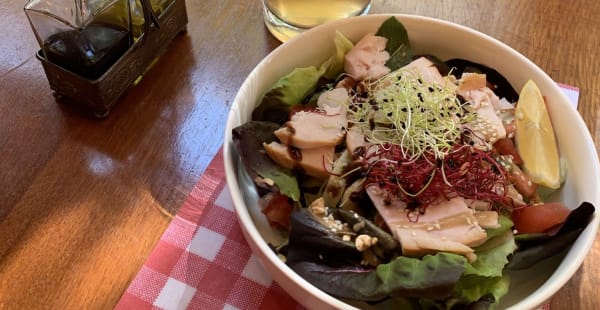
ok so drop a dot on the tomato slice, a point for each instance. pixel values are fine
(505, 146)
(539, 218)
(278, 211)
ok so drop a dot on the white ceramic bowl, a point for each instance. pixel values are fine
(529, 288)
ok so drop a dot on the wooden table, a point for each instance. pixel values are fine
(83, 201)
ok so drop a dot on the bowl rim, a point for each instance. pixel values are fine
(543, 293)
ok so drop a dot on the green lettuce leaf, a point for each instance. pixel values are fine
(506, 224)
(334, 66)
(293, 88)
(398, 45)
(492, 256)
(288, 91)
(492, 259)
(471, 289)
(433, 276)
(485, 277)
(248, 139)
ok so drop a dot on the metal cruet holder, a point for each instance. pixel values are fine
(92, 51)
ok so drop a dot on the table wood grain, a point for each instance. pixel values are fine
(83, 201)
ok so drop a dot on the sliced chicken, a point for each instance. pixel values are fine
(482, 100)
(449, 225)
(418, 242)
(426, 71)
(471, 81)
(366, 60)
(317, 129)
(316, 162)
(478, 204)
(355, 139)
(334, 101)
(487, 219)
(488, 125)
(393, 211)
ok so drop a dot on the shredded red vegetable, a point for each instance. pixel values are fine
(464, 171)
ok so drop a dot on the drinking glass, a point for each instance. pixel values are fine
(287, 18)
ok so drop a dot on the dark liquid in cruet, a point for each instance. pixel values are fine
(89, 52)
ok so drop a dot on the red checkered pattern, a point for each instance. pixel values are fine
(203, 261)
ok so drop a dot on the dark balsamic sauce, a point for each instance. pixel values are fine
(89, 52)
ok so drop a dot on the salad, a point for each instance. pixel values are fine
(406, 180)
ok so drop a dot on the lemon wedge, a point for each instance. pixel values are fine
(535, 139)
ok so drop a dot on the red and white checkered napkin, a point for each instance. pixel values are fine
(202, 261)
